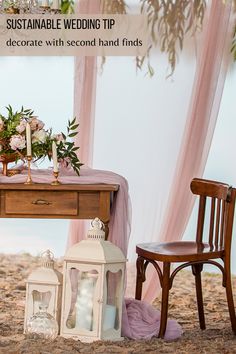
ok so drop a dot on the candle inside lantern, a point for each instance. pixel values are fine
(84, 303)
(109, 317)
(54, 157)
(28, 139)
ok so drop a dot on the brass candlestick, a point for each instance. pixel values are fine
(29, 179)
(55, 182)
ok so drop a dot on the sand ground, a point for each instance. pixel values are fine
(216, 339)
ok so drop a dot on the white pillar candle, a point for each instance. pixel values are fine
(28, 140)
(54, 157)
(84, 304)
(55, 5)
(109, 317)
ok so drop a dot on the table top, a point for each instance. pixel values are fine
(60, 187)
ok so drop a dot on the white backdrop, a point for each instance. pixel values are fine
(136, 116)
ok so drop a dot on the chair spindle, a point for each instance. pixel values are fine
(201, 217)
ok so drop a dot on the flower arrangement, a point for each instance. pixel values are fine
(13, 139)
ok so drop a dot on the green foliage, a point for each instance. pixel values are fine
(41, 139)
(67, 6)
(67, 150)
(13, 120)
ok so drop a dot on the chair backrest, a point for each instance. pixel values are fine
(221, 200)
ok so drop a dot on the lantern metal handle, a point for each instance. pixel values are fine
(95, 222)
(47, 258)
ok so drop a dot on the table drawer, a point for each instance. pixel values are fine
(41, 203)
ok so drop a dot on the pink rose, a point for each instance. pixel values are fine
(35, 123)
(21, 127)
(65, 163)
(17, 142)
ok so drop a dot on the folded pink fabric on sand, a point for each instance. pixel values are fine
(140, 320)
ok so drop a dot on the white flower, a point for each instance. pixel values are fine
(36, 124)
(17, 142)
(39, 136)
(21, 127)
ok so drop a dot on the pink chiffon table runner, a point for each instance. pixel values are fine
(140, 320)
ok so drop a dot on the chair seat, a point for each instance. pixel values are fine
(179, 251)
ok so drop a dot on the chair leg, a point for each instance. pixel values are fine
(229, 296)
(196, 270)
(165, 298)
(140, 277)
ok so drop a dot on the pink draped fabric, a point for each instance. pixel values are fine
(212, 63)
(84, 105)
(85, 78)
(142, 321)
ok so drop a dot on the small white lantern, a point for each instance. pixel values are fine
(44, 287)
(93, 288)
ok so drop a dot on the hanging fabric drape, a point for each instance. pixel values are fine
(85, 91)
(212, 63)
(85, 76)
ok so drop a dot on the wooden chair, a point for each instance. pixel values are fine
(216, 202)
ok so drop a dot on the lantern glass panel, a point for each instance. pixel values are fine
(83, 297)
(40, 299)
(111, 309)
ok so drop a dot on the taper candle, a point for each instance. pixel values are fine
(28, 140)
(54, 157)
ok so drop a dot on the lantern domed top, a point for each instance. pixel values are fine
(95, 248)
(46, 273)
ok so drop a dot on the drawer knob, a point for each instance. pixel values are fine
(41, 202)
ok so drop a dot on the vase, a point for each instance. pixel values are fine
(42, 325)
(5, 159)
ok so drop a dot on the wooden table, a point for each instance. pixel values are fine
(65, 201)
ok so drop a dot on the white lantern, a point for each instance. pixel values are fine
(44, 287)
(93, 288)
